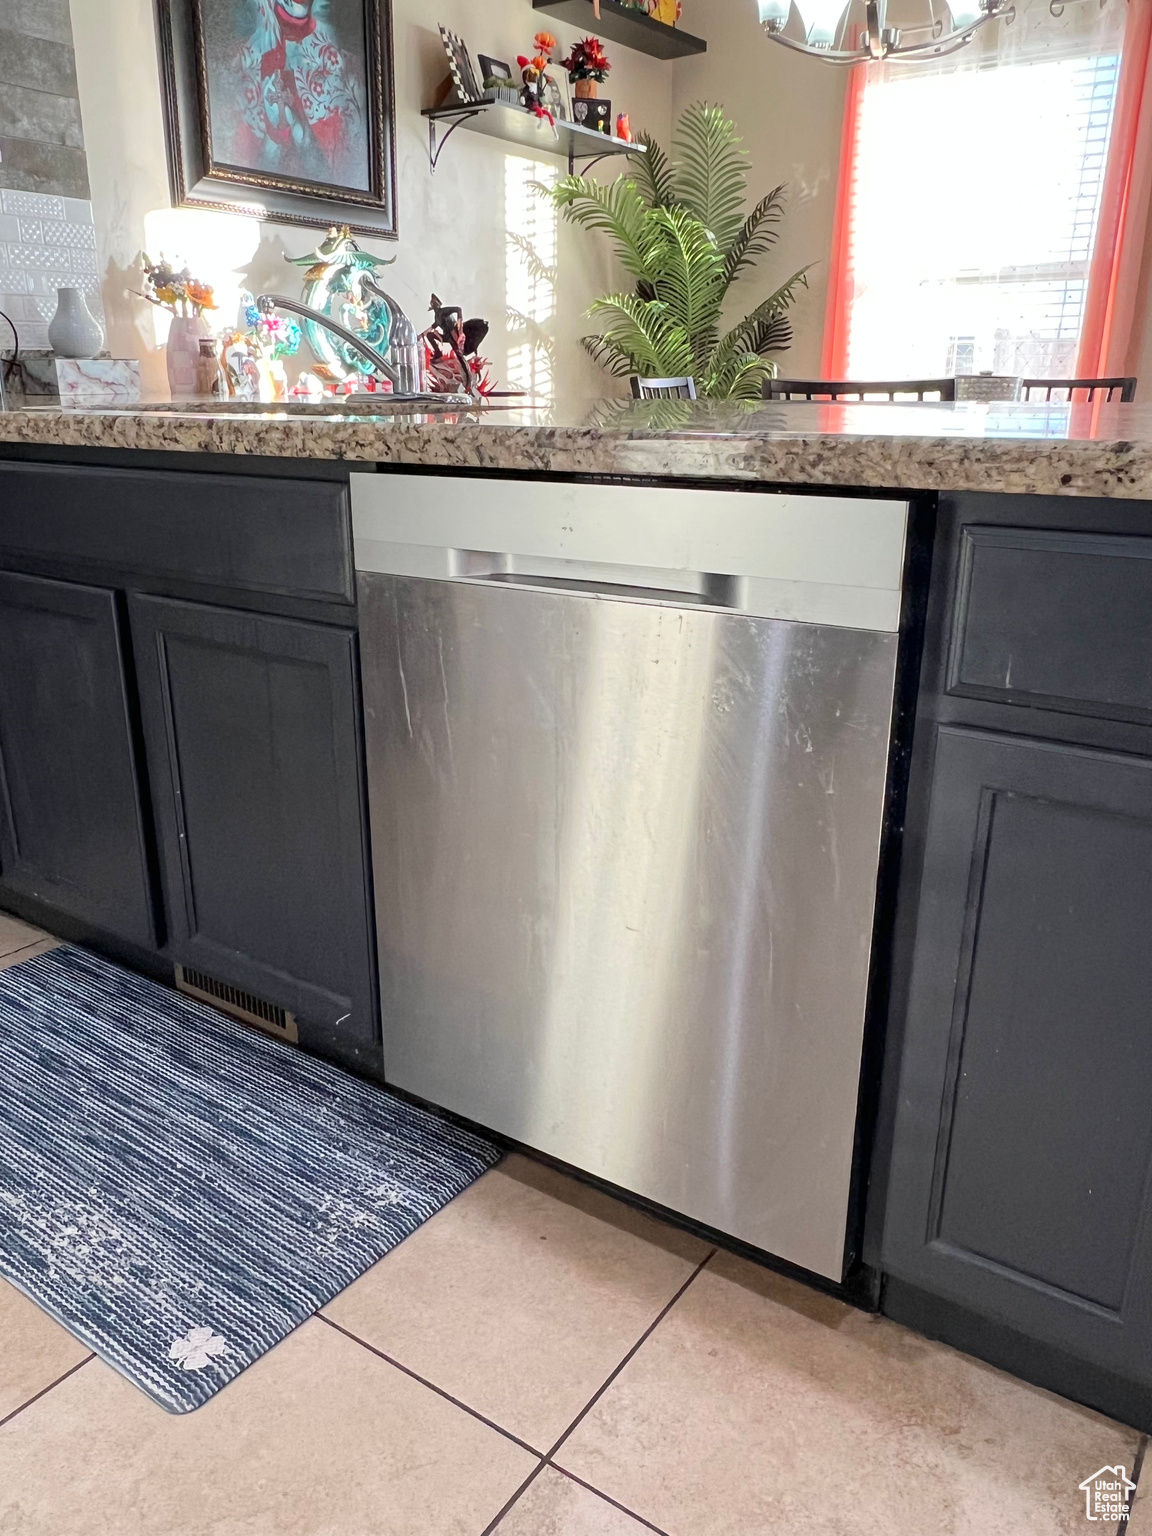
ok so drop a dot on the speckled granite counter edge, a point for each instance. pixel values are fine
(1041, 466)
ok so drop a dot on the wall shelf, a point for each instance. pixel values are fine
(516, 125)
(621, 25)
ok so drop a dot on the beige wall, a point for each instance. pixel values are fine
(461, 233)
(790, 110)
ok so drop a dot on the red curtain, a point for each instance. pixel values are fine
(1107, 339)
(838, 314)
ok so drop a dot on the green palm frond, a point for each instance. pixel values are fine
(680, 229)
(602, 350)
(687, 268)
(653, 173)
(652, 341)
(711, 174)
(771, 335)
(751, 333)
(757, 235)
(617, 211)
(739, 376)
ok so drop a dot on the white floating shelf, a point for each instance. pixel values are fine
(516, 125)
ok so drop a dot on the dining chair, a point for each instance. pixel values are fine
(842, 389)
(663, 389)
(1125, 387)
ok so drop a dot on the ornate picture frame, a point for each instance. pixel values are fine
(282, 110)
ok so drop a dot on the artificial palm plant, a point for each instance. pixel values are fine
(681, 230)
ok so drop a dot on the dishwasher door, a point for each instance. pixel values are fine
(625, 847)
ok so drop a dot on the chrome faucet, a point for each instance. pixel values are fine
(338, 272)
(294, 307)
(401, 365)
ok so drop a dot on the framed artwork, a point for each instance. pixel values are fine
(464, 80)
(493, 69)
(282, 109)
(556, 98)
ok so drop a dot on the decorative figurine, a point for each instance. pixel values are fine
(450, 341)
(534, 73)
(624, 127)
(254, 356)
(340, 282)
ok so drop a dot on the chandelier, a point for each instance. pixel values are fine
(821, 28)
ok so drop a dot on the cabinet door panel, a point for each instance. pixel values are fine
(252, 732)
(71, 823)
(1020, 1180)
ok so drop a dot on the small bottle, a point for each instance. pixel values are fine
(210, 381)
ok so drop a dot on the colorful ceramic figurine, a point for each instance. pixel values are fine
(534, 73)
(342, 281)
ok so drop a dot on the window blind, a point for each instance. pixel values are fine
(972, 214)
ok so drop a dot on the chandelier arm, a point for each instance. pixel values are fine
(951, 42)
(828, 55)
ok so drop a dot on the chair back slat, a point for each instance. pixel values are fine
(663, 389)
(847, 389)
(1042, 389)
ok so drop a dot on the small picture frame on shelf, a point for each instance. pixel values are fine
(464, 81)
(493, 69)
(556, 98)
(497, 80)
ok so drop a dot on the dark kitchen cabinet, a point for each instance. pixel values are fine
(252, 733)
(1021, 1169)
(72, 822)
(1017, 1212)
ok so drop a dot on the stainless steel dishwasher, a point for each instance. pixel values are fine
(627, 755)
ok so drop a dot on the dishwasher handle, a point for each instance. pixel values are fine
(592, 579)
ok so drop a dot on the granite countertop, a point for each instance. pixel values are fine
(1079, 450)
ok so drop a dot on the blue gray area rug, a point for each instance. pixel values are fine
(181, 1192)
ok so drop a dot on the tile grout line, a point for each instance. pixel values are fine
(515, 1499)
(10, 956)
(608, 1499)
(1137, 1469)
(7, 1419)
(640, 1342)
(431, 1385)
(547, 1462)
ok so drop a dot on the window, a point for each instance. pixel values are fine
(974, 204)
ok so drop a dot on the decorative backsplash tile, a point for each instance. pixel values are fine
(35, 204)
(46, 242)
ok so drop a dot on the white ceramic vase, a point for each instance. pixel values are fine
(74, 332)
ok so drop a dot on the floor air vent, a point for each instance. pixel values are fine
(245, 1006)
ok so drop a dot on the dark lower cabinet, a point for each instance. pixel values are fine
(72, 826)
(1020, 1179)
(252, 732)
(1017, 1209)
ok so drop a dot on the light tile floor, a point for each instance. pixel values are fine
(540, 1360)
